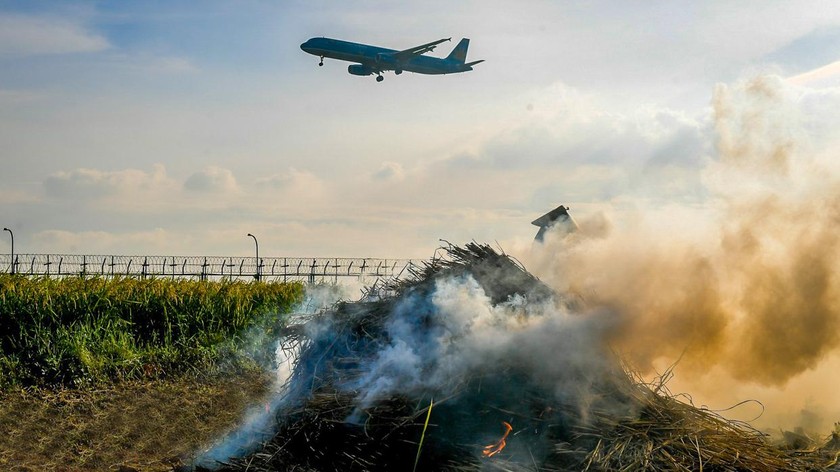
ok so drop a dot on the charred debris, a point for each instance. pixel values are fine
(510, 411)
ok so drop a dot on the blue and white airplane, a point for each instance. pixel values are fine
(376, 60)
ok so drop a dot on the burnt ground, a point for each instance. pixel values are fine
(142, 426)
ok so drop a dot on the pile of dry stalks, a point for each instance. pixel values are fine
(622, 424)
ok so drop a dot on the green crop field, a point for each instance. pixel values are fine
(82, 331)
(128, 374)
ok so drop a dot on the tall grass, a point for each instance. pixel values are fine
(73, 331)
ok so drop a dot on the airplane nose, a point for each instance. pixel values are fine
(306, 47)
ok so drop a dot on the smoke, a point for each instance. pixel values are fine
(436, 340)
(743, 291)
(259, 422)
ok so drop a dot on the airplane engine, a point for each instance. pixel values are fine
(359, 69)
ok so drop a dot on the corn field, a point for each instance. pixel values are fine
(83, 330)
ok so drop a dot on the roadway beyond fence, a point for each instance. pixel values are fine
(312, 269)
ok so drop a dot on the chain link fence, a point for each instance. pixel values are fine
(315, 269)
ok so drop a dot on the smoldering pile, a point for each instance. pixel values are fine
(471, 363)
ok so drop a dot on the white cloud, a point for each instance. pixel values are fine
(211, 180)
(94, 183)
(293, 181)
(571, 146)
(29, 36)
(828, 74)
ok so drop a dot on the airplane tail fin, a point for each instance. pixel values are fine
(460, 52)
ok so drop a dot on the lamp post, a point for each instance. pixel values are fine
(257, 246)
(13, 248)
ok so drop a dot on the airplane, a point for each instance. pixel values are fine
(376, 60)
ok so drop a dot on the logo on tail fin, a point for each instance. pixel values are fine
(460, 52)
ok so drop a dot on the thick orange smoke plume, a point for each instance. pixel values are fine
(743, 290)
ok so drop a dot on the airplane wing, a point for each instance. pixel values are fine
(406, 54)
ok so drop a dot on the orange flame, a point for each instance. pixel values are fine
(495, 448)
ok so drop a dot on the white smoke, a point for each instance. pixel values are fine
(438, 341)
(258, 424)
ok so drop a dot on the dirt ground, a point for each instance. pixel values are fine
(137, 426)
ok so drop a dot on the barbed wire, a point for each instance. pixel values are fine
(204, 267)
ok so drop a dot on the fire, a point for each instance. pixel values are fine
(495, 448)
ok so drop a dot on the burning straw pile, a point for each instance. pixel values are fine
(471, 363)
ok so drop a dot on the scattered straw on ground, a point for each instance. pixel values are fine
(136, 426)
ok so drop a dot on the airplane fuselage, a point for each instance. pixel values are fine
(375, 59)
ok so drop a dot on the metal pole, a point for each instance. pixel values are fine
(257, 258)
(13, 248)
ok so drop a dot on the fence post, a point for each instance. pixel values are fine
(312, 272)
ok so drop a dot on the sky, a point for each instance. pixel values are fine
(176, 128)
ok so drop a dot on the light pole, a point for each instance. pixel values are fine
(257, 246)
(13, 248)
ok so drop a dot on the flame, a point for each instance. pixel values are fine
(495, 448)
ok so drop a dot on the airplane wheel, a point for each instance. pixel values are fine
(379, 78)
(321, 64)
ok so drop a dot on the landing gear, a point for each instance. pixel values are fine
(379, 78)
(322, 61)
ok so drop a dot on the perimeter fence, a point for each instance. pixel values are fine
(312, 269)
